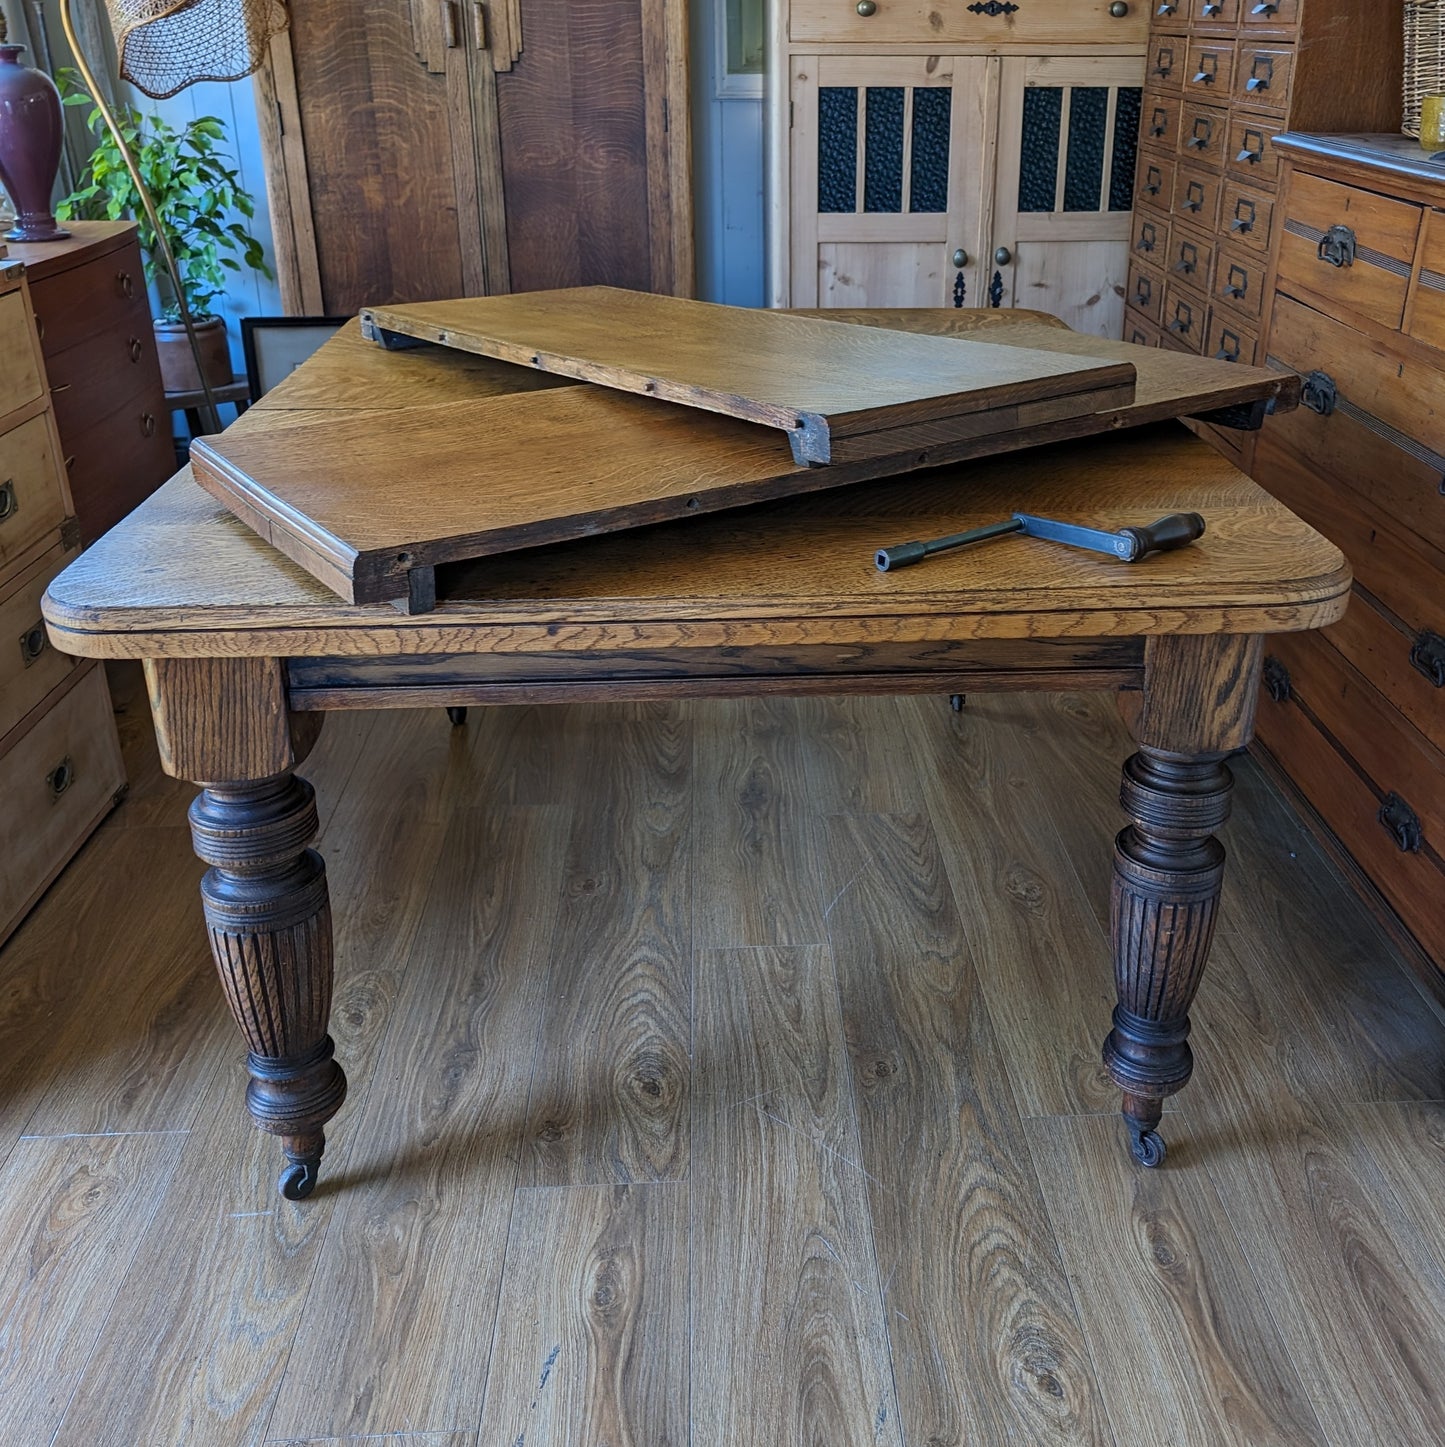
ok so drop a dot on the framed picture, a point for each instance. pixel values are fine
(276, 346)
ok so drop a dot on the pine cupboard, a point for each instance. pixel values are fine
(963, 155)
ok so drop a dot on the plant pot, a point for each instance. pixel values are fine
(178, 364)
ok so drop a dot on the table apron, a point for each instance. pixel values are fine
(955, 667)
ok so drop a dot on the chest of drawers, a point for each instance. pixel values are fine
(60, 765)
(1355, 717)
(94, 320)
(1225, 77)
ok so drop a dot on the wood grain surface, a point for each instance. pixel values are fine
(822, 378)
(1028, 1259)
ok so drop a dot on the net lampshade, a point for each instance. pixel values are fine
(166, 45)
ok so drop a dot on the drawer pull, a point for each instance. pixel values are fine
(33, 643)
(1277, 680)
(1203, 133)
(1249, 155)
(1159, 125)
(1212, 8)
(1402, 822)
(147, 424)
(1337, 246)
(9, 503)
(1119, 9)
(1319, 393)
(866, 8)
(63, 387)
(126, 283)
(1243, 217)
(1428, 656)
(1181, 323)
(1188, 262)
(60, 778)
(1208, 72)
(1167, 8)
(1236, 288)
(1163, 70)
(1224, 354)
(1257, 81)
(135, 349)
(1147, 241)
(1267, 8)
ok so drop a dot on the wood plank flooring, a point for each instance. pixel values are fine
(723, 1075)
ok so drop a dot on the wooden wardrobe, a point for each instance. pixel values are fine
(421, 149)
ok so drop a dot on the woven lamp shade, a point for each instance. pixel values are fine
(166, 45)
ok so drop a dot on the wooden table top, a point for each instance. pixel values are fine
(182, 576)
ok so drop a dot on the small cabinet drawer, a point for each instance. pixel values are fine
(1156, 181)
(116, 462)
(1259, 16)
(85, 301)
(1229, 340)
(32, 498)
(1261, 76)
(1146, 291)
(1138, 331)
(20, 376)
(1159, 121)
(1348, 247)
(29, 666)
(1150, 241)
(1184, 318)
(1168, 56)
(1239, 280)
(1196, 196)
(1220, 15)
(1190, 261)
(58, 780)
(1250, 151)
(1245, 215)
(925, 22)
(1203, 134)
(1427, 312)
(1210, 70)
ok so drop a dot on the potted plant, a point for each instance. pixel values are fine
(197, 195)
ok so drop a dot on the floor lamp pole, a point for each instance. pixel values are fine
(213, 415)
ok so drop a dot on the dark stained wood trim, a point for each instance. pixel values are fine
(1396, 161)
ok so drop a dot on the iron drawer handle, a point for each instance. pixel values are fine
(1252, 156)
(1402, 822)
(1236, 288)
(960, 258)
(1206, 77)
(63, 387)
(1145, 243)
(1185, 267)
(1153, 188)
(1167, 8)
(1225, 355)
(1159, 123)
(147, 425)
(9, 505)
(1319, 393)
(60, 778)
(1257, 81)
(1193, 201)
(135, 349)
(1212, 7)
(1427, 655)
(33, 643)
(1267, 8)
(1165, 71)
(1337, 246)
(1276, 679)
(1180, 325)
(1199, 141)
(1239, 223)
(126, 283)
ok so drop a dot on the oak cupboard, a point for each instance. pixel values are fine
(422, 149)
(967, 156)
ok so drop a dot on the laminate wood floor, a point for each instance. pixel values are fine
(723, 1074)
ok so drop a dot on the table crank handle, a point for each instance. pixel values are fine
(1177, 530)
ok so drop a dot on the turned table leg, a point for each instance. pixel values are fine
(1199, 697)
(223, 723)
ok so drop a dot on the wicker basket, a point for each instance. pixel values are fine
(1424, 57)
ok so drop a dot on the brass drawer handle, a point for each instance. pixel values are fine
(126, 283)
(60, 778)
(135, 349)
(1427, 655)
(1337, 246)
(33, 643)
(1319, 393)
(9, 503)
(1402, 822)
(147, 425)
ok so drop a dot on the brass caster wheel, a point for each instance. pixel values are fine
(299, 1179)
(458, 716)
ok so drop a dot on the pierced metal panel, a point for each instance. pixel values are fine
(837, 148)
(883, 149)
(928, 170)
(1039, 162)
(1127, 110)
(1084, 169)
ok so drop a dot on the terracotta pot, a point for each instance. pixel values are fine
(30, 134)
(178, 365)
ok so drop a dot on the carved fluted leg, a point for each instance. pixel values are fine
(1168, 871)
(270, 927)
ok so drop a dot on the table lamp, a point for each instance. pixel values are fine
(164, 46)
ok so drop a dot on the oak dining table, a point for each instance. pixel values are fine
(245, 653)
